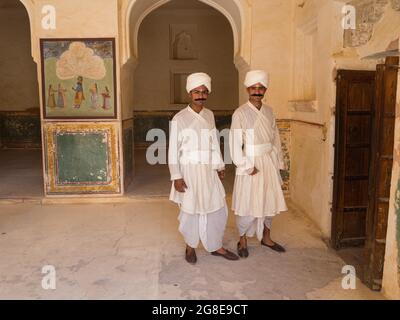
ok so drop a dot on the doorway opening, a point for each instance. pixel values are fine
(365, 123)
(21, 173)
(176, 39)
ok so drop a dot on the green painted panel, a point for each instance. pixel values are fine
(82, 158)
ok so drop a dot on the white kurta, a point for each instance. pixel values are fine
(255, 142)
(194, 156)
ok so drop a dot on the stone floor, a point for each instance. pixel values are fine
(134, 251)
(21, 174)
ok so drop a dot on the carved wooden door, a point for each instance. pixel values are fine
(381, 171)
(354, 117)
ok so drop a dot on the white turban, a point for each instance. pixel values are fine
(256, 76)
(198, 79)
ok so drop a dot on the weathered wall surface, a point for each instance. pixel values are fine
(312, 160)
(391, 272)
(380, 32)
(271, 49)
(312, 145)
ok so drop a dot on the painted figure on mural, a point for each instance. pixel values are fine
(61, 99)
(94, 96)
(51, 101)
(106, 99)
(79, 96)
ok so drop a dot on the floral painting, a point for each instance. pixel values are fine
(78, 78)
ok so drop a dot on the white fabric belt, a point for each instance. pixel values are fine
(196, 156)
(258, 150)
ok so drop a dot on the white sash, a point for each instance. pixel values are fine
(265, 148)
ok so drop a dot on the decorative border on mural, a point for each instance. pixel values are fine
(20, 129)
(44, 88)
(53, 187)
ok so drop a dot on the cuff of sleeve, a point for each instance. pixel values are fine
(176, 177)
(282, 165)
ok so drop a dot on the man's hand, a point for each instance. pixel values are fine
(221, 174)
(180, 185)
(255, 171)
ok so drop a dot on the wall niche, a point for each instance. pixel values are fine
(183, 41)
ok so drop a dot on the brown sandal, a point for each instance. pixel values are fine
(242, 252)
(228, 255)
(191, 258)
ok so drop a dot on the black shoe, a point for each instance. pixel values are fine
(276, 247)
(228, 255)
(242, 252)
(191, 258)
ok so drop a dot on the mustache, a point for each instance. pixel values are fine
(200, 99)
(257, 95)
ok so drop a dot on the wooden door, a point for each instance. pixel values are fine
(354, 117)
(381, 171)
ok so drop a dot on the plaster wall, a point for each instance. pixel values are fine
(391, 272)
(312, 145)
(312, 160)
(212, 44)
(271, 49)
(385, 36)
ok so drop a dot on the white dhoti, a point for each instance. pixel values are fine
(250, 226)
(209, 228)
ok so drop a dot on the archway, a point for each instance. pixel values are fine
(20, 134)
(174, 39)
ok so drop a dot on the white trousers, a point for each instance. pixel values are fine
(209, 228)
(250, 226)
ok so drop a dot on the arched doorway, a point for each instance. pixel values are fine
(175, 39)
(21, 172)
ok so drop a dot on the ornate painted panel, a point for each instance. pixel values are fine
(78, 78)
(81, 158)
(20, 129)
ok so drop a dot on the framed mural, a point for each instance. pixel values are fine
(81, 158)
(78, 78)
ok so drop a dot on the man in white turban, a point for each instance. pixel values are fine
(256, 152)
(197, 168)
